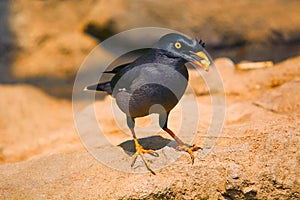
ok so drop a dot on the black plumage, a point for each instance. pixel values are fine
(154, 83)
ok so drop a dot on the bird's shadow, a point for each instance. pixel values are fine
(153, 142)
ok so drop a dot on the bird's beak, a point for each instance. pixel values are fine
(200, 59)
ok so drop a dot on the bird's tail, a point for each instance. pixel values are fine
(100, 87)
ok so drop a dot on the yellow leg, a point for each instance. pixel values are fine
(181, 146)
(190, 150)
(141, 151)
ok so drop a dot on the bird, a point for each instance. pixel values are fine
(154, 83)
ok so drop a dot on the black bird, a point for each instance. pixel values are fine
(154, 83)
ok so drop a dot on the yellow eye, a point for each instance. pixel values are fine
(177, 45)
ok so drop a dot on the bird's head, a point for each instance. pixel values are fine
(191, 50)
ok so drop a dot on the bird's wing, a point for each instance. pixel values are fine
(106, 86)
(117, 69)
(100, 87)
(122, 79)
(134, 69)
(124, 60)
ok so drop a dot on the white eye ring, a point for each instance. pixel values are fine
(177, 45)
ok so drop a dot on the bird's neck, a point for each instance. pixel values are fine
(162, 57)
(177, 63)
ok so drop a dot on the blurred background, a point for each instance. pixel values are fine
(44, 43)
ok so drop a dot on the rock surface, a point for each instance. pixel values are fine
(255, 157)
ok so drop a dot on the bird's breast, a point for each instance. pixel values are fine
(152, 90)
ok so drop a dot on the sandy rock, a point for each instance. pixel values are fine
(27, 117)
(247, 112)
(256, 156)
(252, 82)
(248, 83)
(257, 165)
(286, 99)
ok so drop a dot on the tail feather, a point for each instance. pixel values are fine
(100, 87)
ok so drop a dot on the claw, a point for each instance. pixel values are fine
(141, 151)
(189, 150)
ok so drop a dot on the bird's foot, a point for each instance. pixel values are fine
(141, 151)
(189, 149)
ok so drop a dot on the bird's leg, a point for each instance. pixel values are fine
(163, 120)
(183, 147)
(139, 150)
